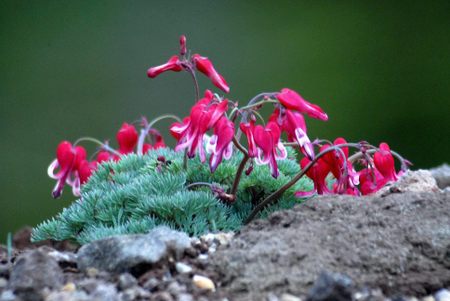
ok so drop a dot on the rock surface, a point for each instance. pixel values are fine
(442, 175)
(127, 252)
(399, 243)
(32, 272)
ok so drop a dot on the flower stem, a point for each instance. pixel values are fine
(146, 129)
(104, 146)
(241, 167)
(274, 196)
(191, 71)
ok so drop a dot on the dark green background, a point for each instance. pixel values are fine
(379, 69)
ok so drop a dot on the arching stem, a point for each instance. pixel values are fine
(103, 145)
(146, 129)
(274, 196)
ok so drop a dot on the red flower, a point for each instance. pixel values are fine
(270, 148)
(173, 64)
(69, 161)
(384, 162)
(317, 173)
(248, 129)
(103, 156)
(220, 144)
(127, 137)
(293, 101)
(371, 180)
(204, 65)
(294, 125)
(204, 115)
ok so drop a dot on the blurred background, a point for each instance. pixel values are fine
(380, 69)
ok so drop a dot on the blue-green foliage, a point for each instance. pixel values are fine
(138, 193)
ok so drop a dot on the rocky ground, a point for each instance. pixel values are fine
(392, 246)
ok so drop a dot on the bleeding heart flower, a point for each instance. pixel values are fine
(294, 125)
(270, 148)
(293, 101)
(173, 64)
(127, 138)
(371, 180)
(317, 173)
(384, 162)
(69, 160)
(248, 128)
(204, 65)
(191, 132)
(220, 145)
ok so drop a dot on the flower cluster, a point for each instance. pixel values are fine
(215, 126)
(72, 167)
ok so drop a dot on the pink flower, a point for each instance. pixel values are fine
(293, 101)
(248, 129)
(69, 161)
(384, 162)
(220, 145)
(294, 125)
(371, 180)
(173, 64)
(270, 148)
(204, 115)
(317, 173)
(204, 65)
(127, 138)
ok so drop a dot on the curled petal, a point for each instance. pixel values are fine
(51, 169)
(384, 162)
(173, 64)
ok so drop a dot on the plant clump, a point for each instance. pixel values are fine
(143, 183)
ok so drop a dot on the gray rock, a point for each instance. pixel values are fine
(105, 292)
(68, 296)
(8, 295)
(119, 254)
(442, 295)
(3, 283)
(126, 280)
(185, 297)
(442, 175)
(412, 181)
(34, 271)
(175, 241)
(331, 287)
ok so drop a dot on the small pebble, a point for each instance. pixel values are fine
(3, 283)
(183, 268)
(8, 295)
(442, 295)
(92, 272)
(185, 297)
(126, 280)
(204, 283)
(176, 289)
(69, 287)
(289, 297)
(203, 257)
(162, 296)
(428, 298)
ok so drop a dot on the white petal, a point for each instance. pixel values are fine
(51, 169)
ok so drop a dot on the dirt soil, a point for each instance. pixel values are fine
(399, 243)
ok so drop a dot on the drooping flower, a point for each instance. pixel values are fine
(371, 180)
(127, 138)
(317, 173)
(248, 129)
(204, 65)
(294, 125)
(270, 148)
(173, 64)
(68, 160)
(293, 101)
(204, 115)
(384, 162)
(220, 144)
